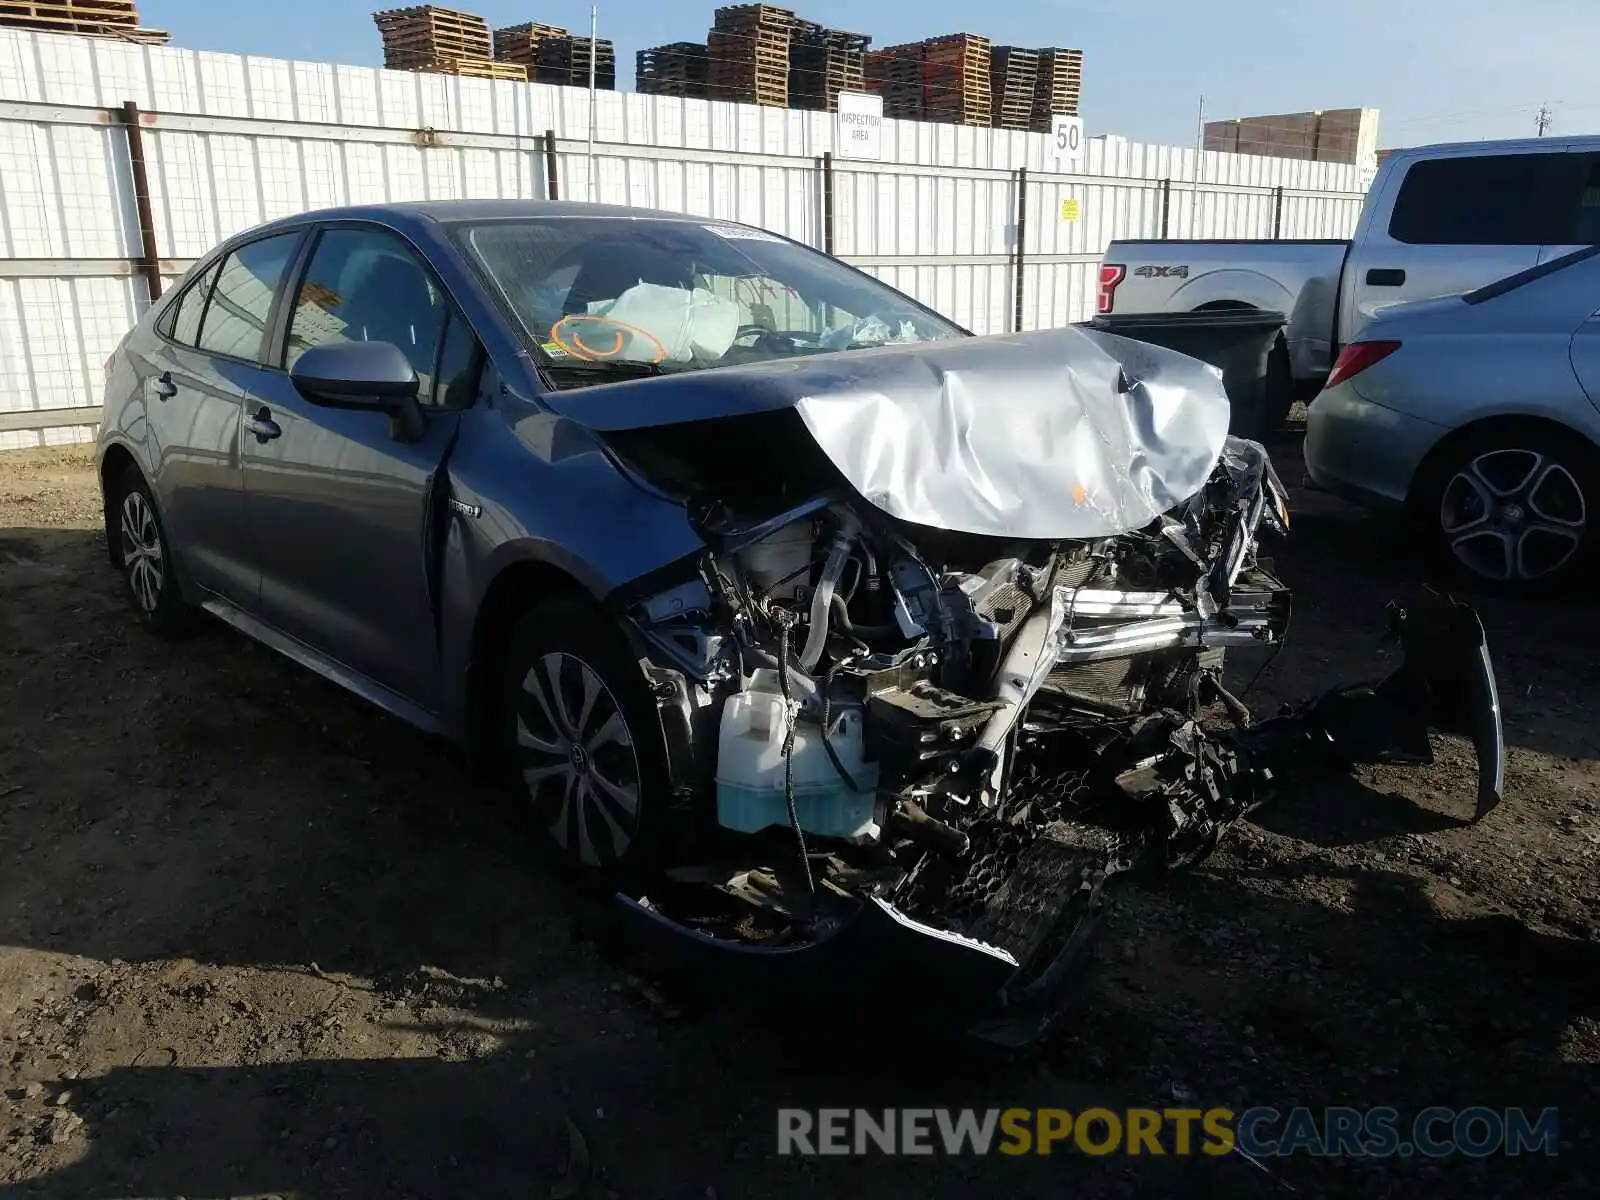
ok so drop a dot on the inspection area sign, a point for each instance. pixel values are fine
(860, 126)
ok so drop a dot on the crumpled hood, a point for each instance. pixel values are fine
(1059, 434)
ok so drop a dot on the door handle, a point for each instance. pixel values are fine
(1386, 277)
(262, 425)
(163, 386)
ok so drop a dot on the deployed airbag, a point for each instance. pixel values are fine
(683, 323)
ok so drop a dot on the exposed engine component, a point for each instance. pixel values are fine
(942, 747)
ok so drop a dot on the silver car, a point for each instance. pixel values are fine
(837, 643)
(1479, 417)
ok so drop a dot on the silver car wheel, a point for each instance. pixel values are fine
(577, 758)
(142, 555)
(1513, 516)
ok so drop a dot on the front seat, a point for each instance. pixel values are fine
(394, 303)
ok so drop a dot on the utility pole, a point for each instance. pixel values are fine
(1545, 119)
(594, 54)
(1200, 141)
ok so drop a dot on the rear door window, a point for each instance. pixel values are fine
(183, 323)
(1481, 200)
(235, 322)
(1578, 212)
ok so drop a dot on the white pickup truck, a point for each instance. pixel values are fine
(1438, 220)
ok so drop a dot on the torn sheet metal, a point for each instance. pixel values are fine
(1064, 433)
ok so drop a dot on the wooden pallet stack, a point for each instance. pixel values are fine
(565, 61)
(824, 62)
(520, 44)
(442, 41)
(895, 73)
(676, 69)
(117, 19)
(1013, 75)
(749, 50)
(955, 79)
(1059, 88)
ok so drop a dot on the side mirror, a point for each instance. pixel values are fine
(370, 375)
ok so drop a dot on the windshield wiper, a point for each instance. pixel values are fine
(594, 369)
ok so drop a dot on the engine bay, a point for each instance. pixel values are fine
(934, 678)
(972, 733)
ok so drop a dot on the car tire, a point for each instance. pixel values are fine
(149, 568)
(1513, 511)
(581, 744)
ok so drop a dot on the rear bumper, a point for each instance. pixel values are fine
(1362, 451)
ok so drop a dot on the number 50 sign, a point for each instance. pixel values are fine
(1066, 143)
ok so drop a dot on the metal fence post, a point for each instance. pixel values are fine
(1166, 206)
(1277, 213)
(1022, 229)
(827, 202)
(150, 262)
(552, 180)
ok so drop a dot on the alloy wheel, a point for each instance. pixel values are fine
(577, 758)
(142, 553)
(1513, 516)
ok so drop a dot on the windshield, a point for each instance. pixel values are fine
(602, 296)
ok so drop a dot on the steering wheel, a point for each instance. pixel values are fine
(564, 334)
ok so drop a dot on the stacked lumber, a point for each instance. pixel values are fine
(441, 41)
(749, 51)
(955, 79)
(476, 68)
(1060, 86)
(895, 74)
(565, 61)
(117, 19)
(1013, 75)
(676, 69)
(824, 62)
(520, 43)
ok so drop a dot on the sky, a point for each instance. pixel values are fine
(1438, 70)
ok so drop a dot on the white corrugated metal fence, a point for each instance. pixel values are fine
(232, 140)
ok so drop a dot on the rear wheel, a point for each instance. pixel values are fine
(146, 556)
(1514, 510)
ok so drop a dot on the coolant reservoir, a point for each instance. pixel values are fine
(750, 768)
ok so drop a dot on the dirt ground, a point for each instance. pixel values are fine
(257, 939)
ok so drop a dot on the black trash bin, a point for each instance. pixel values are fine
(1239, 340)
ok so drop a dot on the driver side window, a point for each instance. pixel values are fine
(366, 285)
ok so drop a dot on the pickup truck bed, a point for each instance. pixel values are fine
(1299, 279)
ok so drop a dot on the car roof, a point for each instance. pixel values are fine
(1508, 146)
(450, 211)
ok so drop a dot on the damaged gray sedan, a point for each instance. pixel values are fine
(842, 646)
